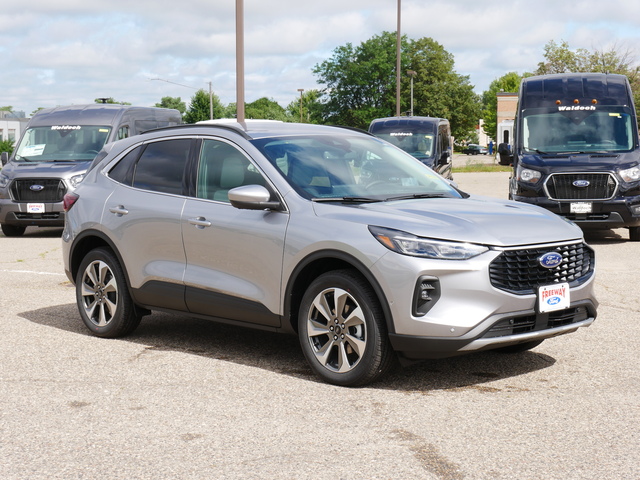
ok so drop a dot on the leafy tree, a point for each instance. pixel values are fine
(361, 83)
(199, 107)
(266, 109)
(172, 102)
(8, 108)
(311, 107)
(6, 146)
(438, 90)
(509, 82)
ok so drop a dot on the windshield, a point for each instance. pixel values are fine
(577, 129)
(358, 168)
(61, 143)
(419, 145)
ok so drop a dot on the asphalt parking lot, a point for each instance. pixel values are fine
(186, 399)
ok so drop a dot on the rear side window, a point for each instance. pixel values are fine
(161, 166)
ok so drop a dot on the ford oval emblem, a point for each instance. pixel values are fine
(581, 183)
(550, 260)
(36, 188)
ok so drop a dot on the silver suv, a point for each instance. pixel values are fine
(331, 234)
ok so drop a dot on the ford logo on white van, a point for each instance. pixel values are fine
(550, 260)
(36, 188)
(581, 183)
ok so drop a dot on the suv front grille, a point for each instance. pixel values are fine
(52, 191)
(520, 272)
(596, 186)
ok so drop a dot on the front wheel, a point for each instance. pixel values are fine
(102, 295)
(634, 234)
(342, 330)
(12, 230)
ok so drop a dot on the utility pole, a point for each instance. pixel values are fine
(301, 90)
(398, 63)
(240, 60)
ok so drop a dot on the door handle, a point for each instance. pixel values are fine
(200, 222)
(119, 210)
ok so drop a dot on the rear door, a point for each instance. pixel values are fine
(143, 216)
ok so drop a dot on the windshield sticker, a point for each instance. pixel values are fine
(65, 127)
(32, 150)
(401, 134)
(565, 108)
(615, 115)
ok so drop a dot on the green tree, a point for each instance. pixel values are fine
(438, 90)
(174, 103)
(311, 107)
(509, 83)
(266, 109)
(6, 146)
(199, 107)
(360, 81)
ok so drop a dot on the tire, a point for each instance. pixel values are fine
(634, 234)
(520, 347)
(348, 346)
(103, 297)
(12, 230)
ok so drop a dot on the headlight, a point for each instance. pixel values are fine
(4, 181)
(408, 244)
(75, 181)
(528, 176)
(631, 174)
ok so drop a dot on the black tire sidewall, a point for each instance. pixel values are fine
(122, 322)
(368, 367)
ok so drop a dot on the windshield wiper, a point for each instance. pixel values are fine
(348, 199)
(417, 195)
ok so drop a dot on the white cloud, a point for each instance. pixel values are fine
(72, 51)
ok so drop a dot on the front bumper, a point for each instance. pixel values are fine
(498, 331)
(14, 213)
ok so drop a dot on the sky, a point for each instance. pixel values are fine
(62, 52)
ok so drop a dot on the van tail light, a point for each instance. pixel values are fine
(69, 200)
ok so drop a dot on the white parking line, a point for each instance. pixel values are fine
(30, 271)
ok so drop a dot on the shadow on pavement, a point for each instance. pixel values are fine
(282, 354)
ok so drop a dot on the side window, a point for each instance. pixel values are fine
(122, 172)
(123, 132)
(221, 167)
(161, 166)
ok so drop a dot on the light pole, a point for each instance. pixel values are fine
(301, 90)
(411, 73)
(398, 61)
(240, 60)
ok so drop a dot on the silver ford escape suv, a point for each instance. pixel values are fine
(331, 234)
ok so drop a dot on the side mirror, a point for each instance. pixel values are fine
(4, 158)
(252, 197)
(504, 152)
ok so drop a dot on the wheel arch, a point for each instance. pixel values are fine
(89, 240)
(314, 265)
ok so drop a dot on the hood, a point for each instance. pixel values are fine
(44, 169)
(582, 162)
(476, 219)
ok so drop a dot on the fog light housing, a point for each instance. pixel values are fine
(426, 295)
(635, 209)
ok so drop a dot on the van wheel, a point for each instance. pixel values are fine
(342, 330)
(12, 230)
(634, 234)
(102, 295)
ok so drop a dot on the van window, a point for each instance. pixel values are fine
(123, 132)
(61, 143)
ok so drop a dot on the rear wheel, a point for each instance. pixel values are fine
(12, 230)
(342, 330)
(102, 295)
